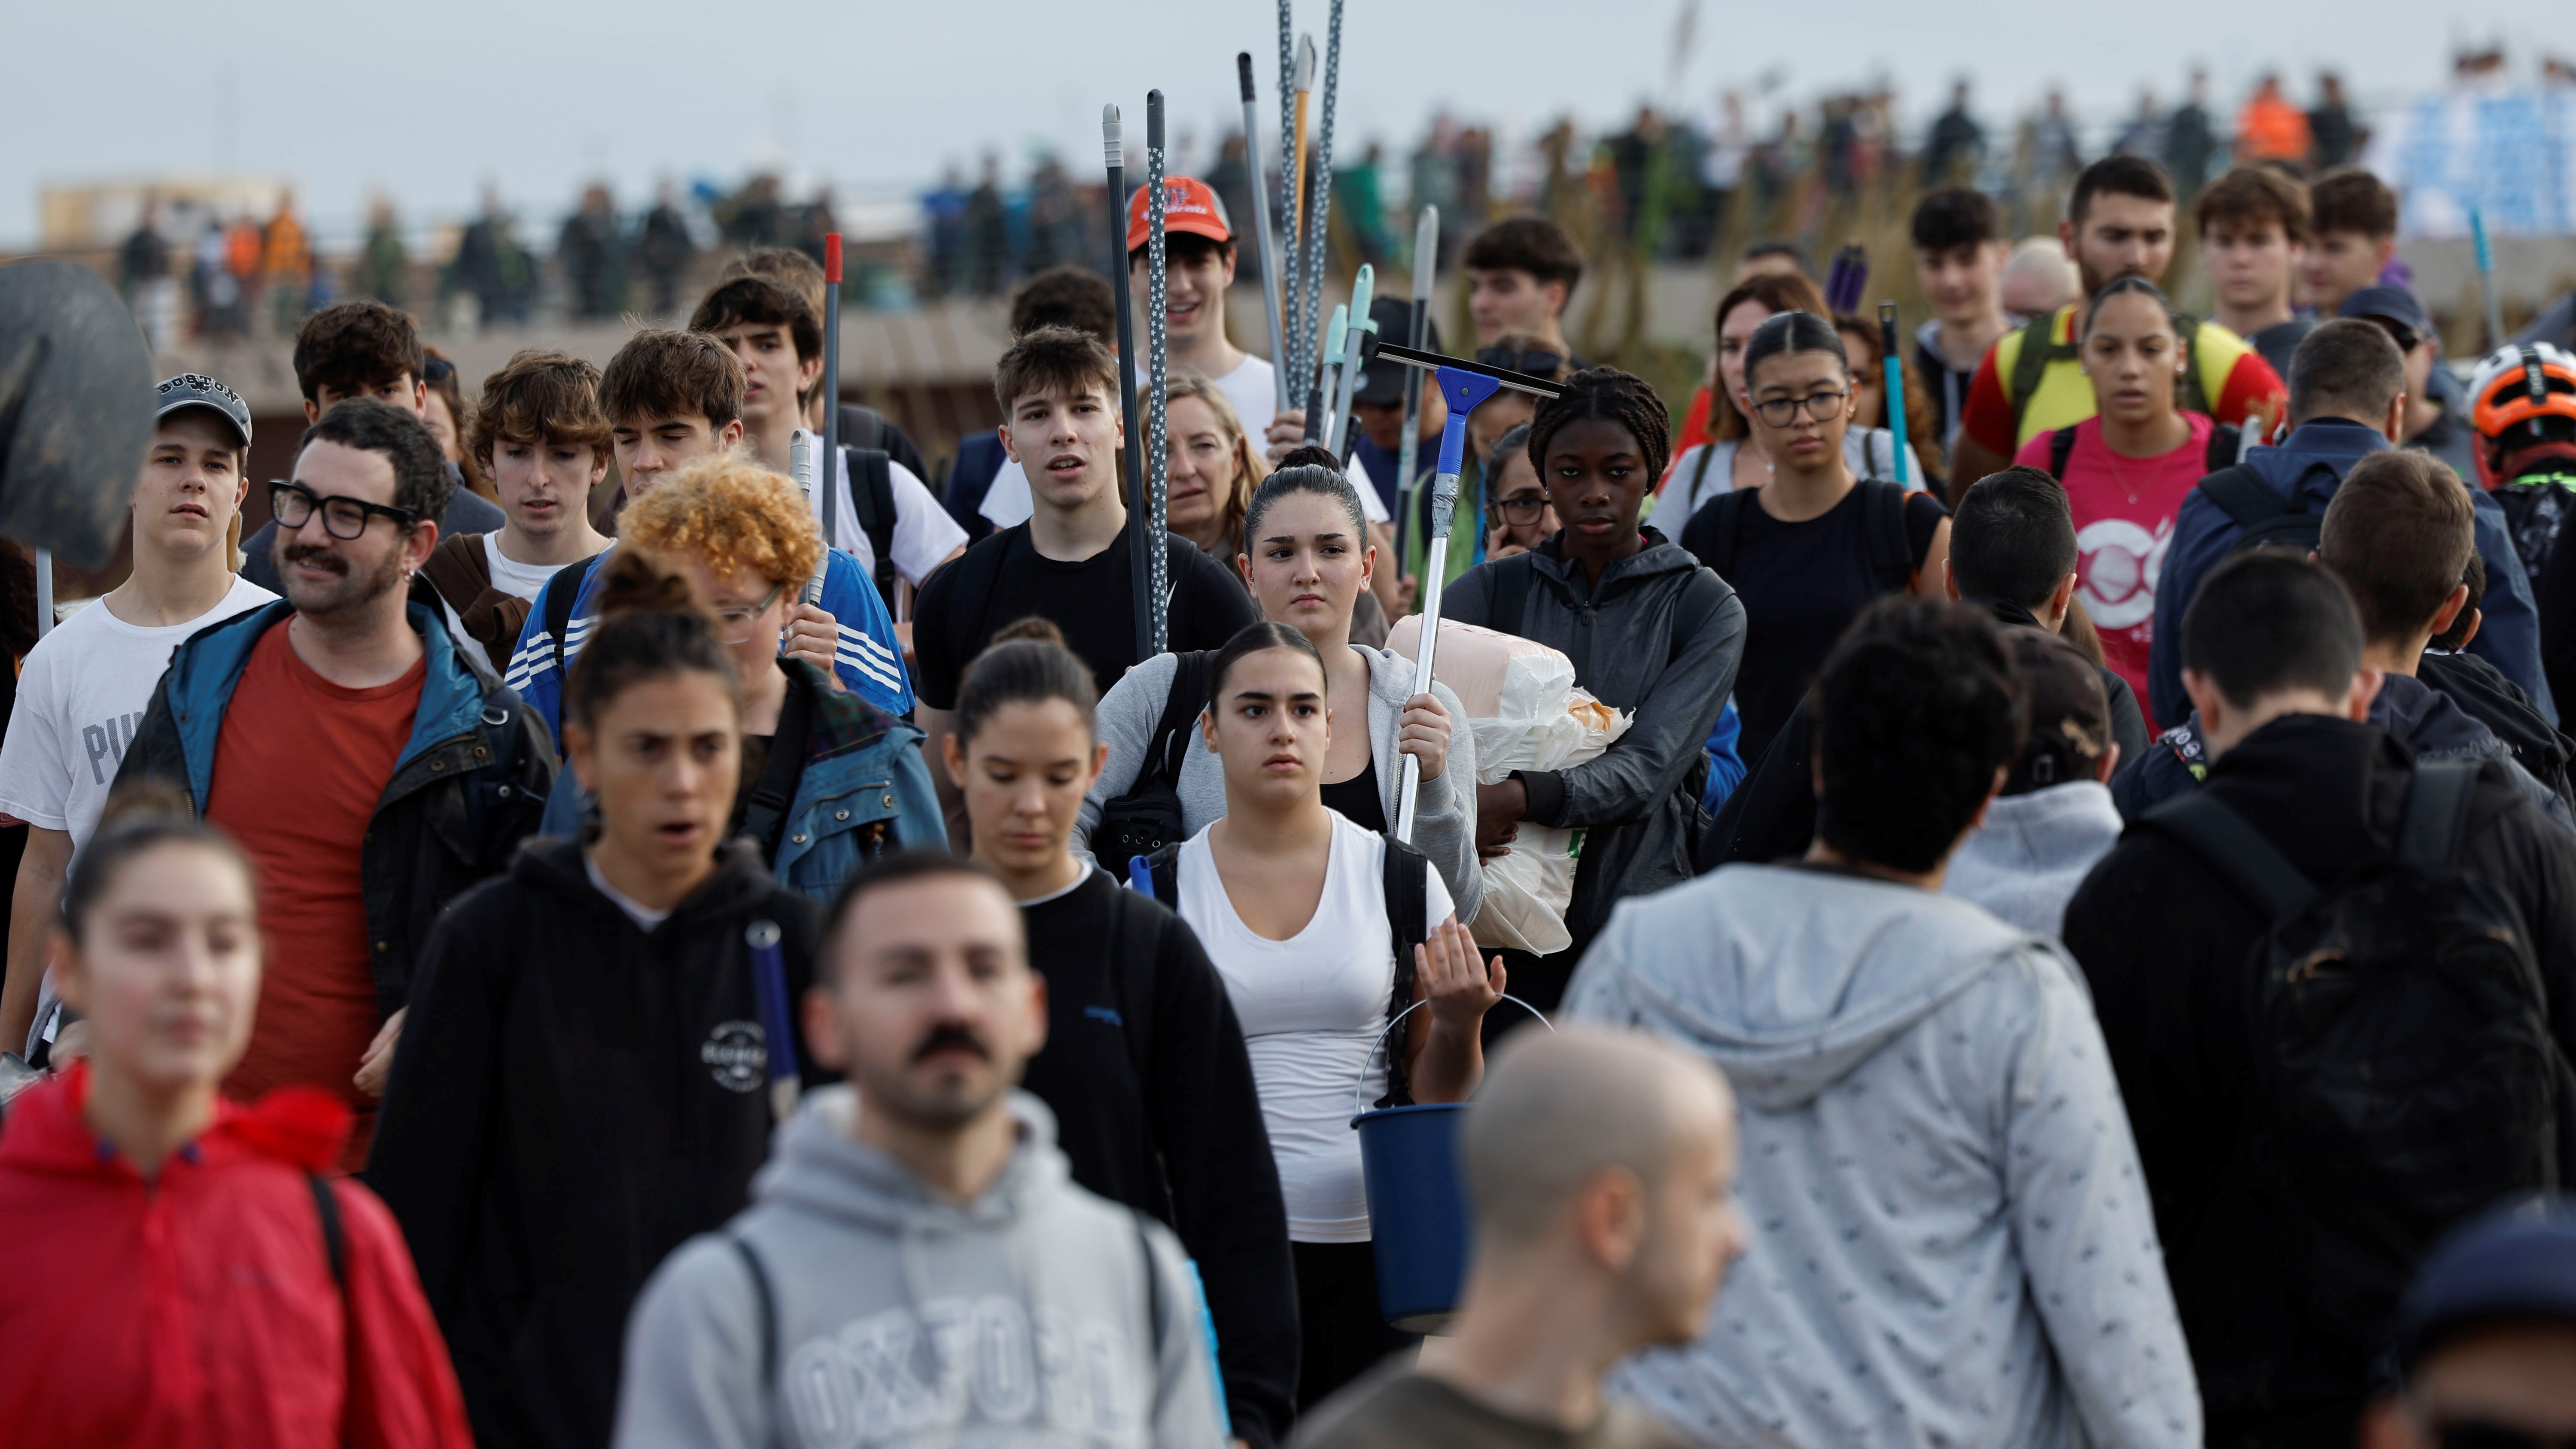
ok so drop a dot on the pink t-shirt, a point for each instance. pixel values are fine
(2124, 516)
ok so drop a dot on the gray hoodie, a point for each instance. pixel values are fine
(900, 1317)
(1444, 824)
(1951, 1242)
(2035, 848)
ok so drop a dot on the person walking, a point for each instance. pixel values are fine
(2053, 817)
(590, 1080)
(921, 1270)
(1145, 1068)
(182, 1270)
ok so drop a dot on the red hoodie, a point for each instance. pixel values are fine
(200, 1309)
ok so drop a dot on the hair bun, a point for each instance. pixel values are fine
(636, 582)
(1034, 628)
(1309, 455)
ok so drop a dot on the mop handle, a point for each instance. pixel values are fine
(1462, 391)
(1895, 391)
(1268, 245)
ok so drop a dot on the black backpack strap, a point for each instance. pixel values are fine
(862, 427)
(2237, 851)
(1891, 556)
(1511, 592)
(335, 1239)
(2436, 807)
(872, 494)
(1699, 475)
(561, 592)
(979, 572)
(764, 814)
(2225, 441)
(1163, 867)
(1181, 709)
(1405, 883)
(2061, 446)
(2246, 497)
(764, 1305)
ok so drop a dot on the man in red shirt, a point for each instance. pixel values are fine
(369, 773)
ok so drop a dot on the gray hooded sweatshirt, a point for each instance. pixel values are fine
(1951, 1243)
(898, 1317)
(2035, 848)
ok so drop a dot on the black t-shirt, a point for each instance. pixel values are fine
(1358, 800)
(1802, 585)
(1091, 601)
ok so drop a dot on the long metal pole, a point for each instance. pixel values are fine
(1301, 317)
(1157, 436)
(1894, 362)
(1267, 244)
(1426, 262)
(1337, 421)
(44, 592)
(832, 391)
(1140, 597)
(1461, 391)
(1319, 181)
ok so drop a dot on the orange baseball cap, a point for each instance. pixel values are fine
(1188, 205)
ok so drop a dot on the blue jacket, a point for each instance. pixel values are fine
(466, 789)
(864, 790)
(870, 659)
(2310, 463)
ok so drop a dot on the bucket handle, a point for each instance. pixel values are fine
(1361, 1097)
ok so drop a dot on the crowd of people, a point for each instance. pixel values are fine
(2071, 930)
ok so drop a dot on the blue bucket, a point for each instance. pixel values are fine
(1419, 1227)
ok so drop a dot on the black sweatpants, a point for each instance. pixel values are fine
(1341, 1333)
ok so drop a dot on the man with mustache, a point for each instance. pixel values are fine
(924, 1263)
(368, 772)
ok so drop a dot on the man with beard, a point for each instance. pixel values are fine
(367, 771)
(2119, 223)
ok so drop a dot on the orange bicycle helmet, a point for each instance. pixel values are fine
(2528, 389)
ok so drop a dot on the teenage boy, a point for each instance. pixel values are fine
(922, 1270)
(1959, 252)
(1068, 295)
(1521, 271)
(84, 687)
(672, 398)
(1883, 1037)
(545, 445)
(802, 275)
(364, 349)
(2352, 234)
(779, 340)
(2119, 223)
(2253, 235)
(1601, 1168)
(1069, 562)
(367, 772)
(2347, 401)
(2284, 1311)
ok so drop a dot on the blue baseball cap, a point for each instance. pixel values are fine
(2388, 304)
(2517, 1261)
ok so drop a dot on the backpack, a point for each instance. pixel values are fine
(2218, 457)
(560, 593)
(1404, 881)
(872, 494)
(2403, 1071)
(1147, 817)
(2040, 347)
(1891, 556)
(2263, 517)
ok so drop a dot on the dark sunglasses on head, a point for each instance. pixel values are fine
(1536, 364)
(292, 504)
(437, 369)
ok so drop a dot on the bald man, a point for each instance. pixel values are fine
(1601, 1166)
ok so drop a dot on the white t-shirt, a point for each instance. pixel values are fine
(509, 577)
(81, 696)
(1868, 452)
(1252, 389)
(924, 534)
(1311, 1008)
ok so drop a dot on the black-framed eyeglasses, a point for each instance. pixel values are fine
(1521, 508)
(1780, 412)
(2398, 332)
(1537, 364)
(739, 622)
(292, 505)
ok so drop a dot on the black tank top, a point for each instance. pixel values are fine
(1357, 799)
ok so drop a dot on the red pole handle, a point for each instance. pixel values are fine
(832, 258)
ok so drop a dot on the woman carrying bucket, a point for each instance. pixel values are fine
(1293, 903)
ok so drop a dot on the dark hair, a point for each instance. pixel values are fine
(1050, 360)
(1917, 708)
(661, 373)
(2268, 620)
(1605, 394)
(1779, 291)
(2130, 286)
(1027, 663)
(785, 266)
(895, 867)
(2351, 199)
(2013, 538)
(1184, 247)
(1532, 244)
(1252, 639)
(2118, 174)
(1956, 216)
(421, 480)
(1515, 439)
(2400, 533)
(2254, 196)
(2070, 712)
(2456, 638)
(355, 347)
(652, 625)
(759, 301)
(1787, 333)
(2348, 367)
(1065, 295)
(448, 385)
(540, 395)
(138, 818)
(1306, 469)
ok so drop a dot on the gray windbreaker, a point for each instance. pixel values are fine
(1444, 813)
(1639, 820)
(899, 1317)
(1951, 1241)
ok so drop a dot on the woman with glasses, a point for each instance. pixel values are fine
(1735, 455)
(1812, 547)
(1518, 516)
(828, 781)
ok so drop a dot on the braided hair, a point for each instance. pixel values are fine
(1608, 395)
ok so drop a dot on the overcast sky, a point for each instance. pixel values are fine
(429, 101)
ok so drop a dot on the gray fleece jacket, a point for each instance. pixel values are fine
(1951, 1241)
(1026, 1317)
(2035, 848)
(1444, 814)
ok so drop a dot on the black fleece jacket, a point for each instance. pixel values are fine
(1146, 1072)
(2163, 939)
(573, 1098)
